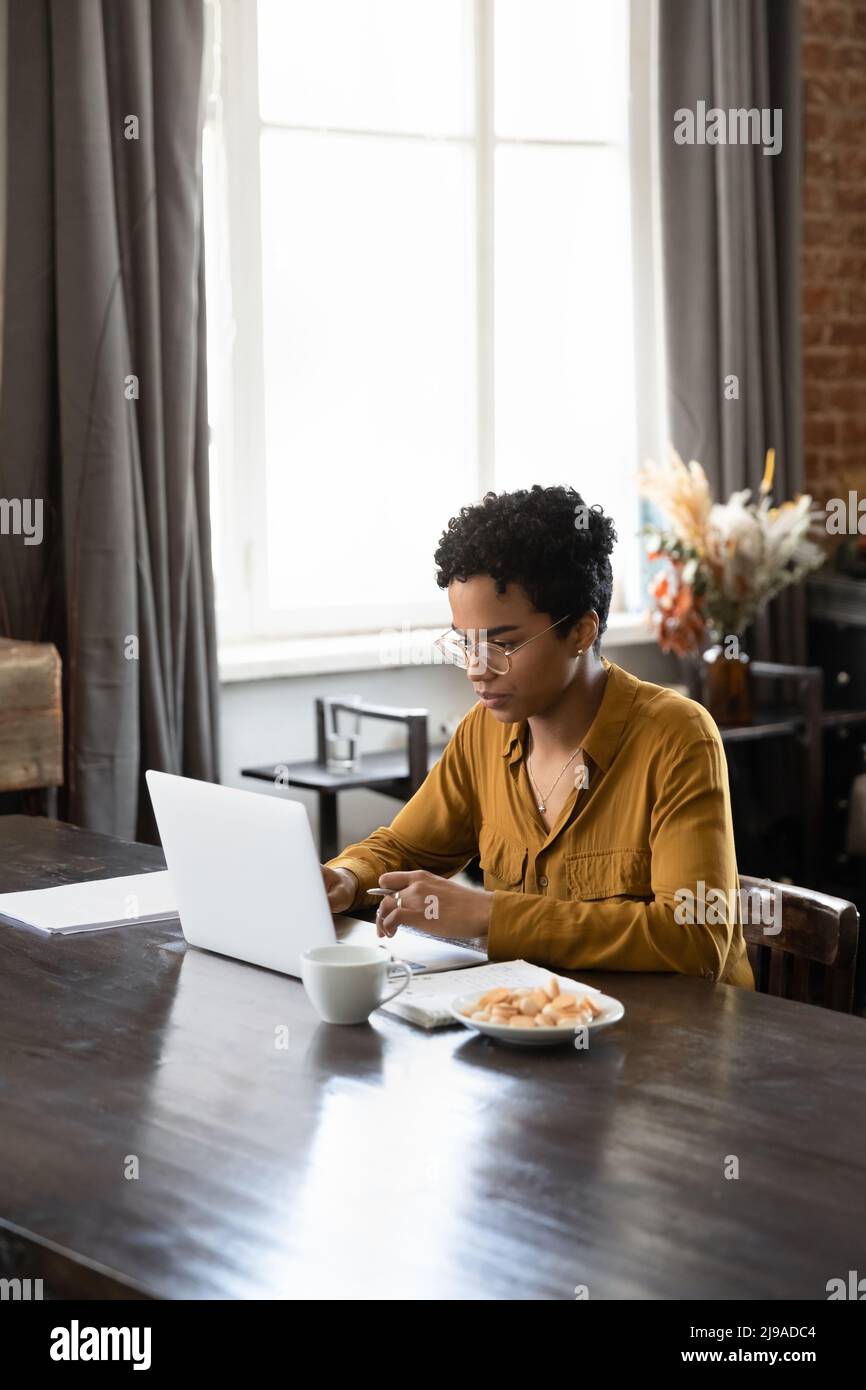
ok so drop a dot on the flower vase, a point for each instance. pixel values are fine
(727, 684)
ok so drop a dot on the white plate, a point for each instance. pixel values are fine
(540, 1037)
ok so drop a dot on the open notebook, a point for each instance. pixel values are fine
(94, 906)
(426, 1001)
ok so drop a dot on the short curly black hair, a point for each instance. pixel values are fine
(544, 538)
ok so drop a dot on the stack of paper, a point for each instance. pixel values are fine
(105, 902)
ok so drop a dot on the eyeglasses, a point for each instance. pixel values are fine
(489, 656)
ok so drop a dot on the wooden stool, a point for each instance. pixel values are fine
(31, 720)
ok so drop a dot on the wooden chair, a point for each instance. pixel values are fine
(813, 959)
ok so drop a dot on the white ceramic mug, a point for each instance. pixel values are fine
(344, 983)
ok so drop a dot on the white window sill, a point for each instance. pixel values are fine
(367, 651)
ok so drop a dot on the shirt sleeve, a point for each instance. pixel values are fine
(691, 840)
(435, 830)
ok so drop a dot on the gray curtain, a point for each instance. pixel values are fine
(731, 234)
(103, 409)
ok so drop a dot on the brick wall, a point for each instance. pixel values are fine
(834, 247)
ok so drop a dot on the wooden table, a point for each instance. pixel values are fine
(380, 1161)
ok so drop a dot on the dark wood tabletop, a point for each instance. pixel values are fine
(381, 1161)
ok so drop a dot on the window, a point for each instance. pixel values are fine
(418, 239)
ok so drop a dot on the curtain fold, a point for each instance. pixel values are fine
(731, 240)
(103, 403)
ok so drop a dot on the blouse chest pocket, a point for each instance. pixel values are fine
(610, 873)
(503, 860)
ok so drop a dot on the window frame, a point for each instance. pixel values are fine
(240, 475)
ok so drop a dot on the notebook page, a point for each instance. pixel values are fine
(428, 998)
(103, 901)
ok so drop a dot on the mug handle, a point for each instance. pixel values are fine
(399, 965)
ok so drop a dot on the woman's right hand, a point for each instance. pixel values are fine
(341, 886)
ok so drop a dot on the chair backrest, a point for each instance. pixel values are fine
(813, 957)
(414, 719)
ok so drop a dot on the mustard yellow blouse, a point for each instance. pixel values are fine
(598, 890)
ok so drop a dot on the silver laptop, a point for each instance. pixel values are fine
(248, 884)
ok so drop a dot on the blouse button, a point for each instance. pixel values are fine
(543, 881)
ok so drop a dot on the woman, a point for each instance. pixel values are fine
(598, 803)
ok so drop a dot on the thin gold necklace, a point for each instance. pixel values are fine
(542, 800)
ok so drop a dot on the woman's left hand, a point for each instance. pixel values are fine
(434, 904)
